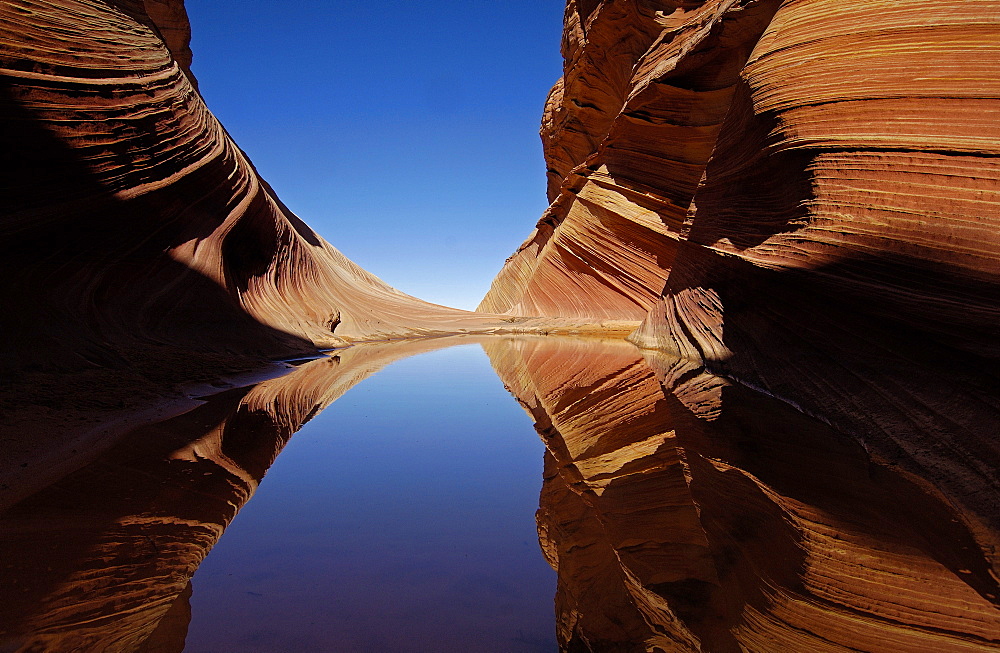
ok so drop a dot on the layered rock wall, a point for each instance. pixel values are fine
(810, 138)
(134, 228)
(627, 133)
(843, 248)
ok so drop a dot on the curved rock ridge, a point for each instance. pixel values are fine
(134, 226)
(683, 512)
(627, 132)
(101, 559)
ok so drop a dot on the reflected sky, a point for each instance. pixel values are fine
(400, 518)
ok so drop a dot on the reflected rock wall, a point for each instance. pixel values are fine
(815, 185)
(687, 513)
(101, 560)
(135, 228)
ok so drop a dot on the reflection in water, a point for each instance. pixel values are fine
(97, 560)
(406, 521)
(684, 514)
(681, 512)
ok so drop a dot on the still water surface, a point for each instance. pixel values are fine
(401, 518)
(681, 510)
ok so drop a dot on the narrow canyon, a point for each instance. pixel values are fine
(757, 329)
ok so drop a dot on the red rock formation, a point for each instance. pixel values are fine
(171, 20)
(843, 253)
(134, 228)
(816, 182)
(712, 518)
(627, 133)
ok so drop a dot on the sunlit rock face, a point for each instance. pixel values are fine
(627, 132)
(101, 559)
(815, 185)
(133, 225)
(686, 513)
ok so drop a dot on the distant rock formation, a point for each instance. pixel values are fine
(804, 197)
(134, 229)
(684, 512)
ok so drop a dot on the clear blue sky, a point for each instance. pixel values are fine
(405, 133)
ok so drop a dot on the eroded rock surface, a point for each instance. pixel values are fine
(627, 133)
(134, 228)
(687, 513)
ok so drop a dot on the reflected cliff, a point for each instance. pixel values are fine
(684, 513)
(101, 560)
(681, 513)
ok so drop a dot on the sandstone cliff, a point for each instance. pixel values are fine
(134, 228)
(627, 133)
(802, 196)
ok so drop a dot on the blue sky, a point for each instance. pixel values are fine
(405, 133)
